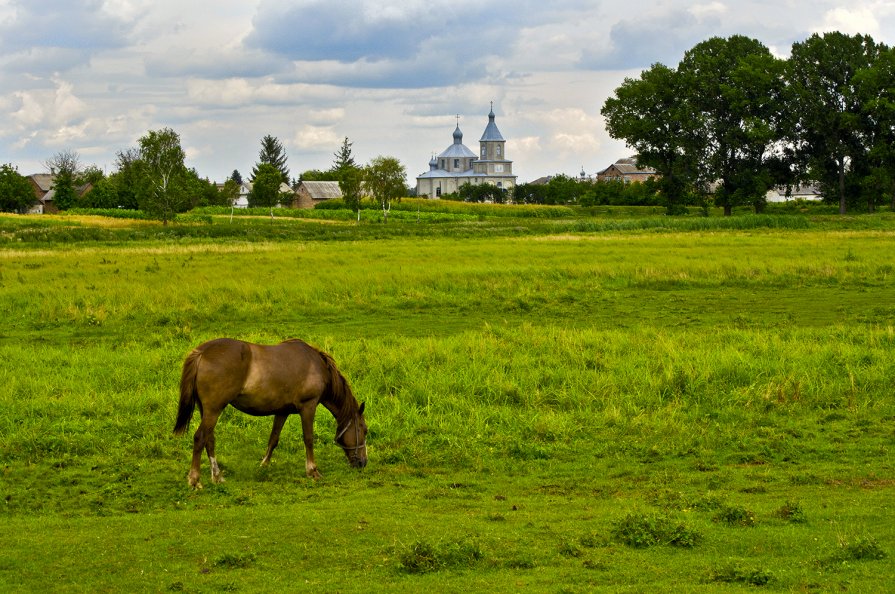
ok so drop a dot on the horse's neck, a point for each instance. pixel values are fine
(332, 407)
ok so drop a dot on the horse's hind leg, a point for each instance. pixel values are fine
(278, 422)
(212, 461)
(203, 439)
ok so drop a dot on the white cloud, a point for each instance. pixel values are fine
(852, 21)
(316, 138)
(701, 11)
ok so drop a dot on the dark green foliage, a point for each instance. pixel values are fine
(266, 187)
(734, 574)
(792, 512)
(163, 180)
(826, 110)
(272, 153)
(640, 530)
(16, 192)
(235, 560)
(64, 167)
(733, 515)
(731, 121)
(861, 548)
(424, 557)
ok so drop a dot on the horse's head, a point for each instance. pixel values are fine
(352, 438)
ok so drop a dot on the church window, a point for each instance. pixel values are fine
(498, 150)
(456, 163)
(498, 169)
(483, 151)
(442, 164)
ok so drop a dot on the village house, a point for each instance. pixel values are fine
(310, 193)
(627, 171)
(44, 193)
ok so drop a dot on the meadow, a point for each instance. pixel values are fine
(561, 402)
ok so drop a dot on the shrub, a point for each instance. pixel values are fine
(735, 516)
(647, 530)
(731, 574)
(792, 512)
(423, 557)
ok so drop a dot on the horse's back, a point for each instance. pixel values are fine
(260, 379)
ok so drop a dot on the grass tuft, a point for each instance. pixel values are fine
(733, 574)
(425, 557)
(640, 530)
(734, 515)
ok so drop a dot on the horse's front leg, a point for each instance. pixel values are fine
(307, 430)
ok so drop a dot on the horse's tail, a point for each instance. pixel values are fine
(189, 396)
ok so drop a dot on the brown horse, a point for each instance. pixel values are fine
(291, 377)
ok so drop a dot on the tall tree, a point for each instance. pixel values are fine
(236, 177)
(342, 159)
(164, 174)
(385, 178)
(64, 167)
(266, 187)
(652, 116)
(127, 178)
(16, 193)
(731, 87)
(272, 153)
(351, 184)
(876, 87)
(825, 108)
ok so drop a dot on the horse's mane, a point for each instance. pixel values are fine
(338, 391)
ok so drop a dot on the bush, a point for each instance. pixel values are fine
(423, 557)
(647, 530)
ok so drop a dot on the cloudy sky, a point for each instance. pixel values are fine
(93, 76)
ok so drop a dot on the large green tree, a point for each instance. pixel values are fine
(651, 114)
(64, 167)
(16, 192)
(826, 110)
(272, 153)
(351, 183)
(384, 178)
(266, 188)
(876, 88)
(163, 175)
(730, 88)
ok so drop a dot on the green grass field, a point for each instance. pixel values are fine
(560, 403)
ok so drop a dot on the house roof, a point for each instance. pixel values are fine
(44, 181)
(322, 190)
(628, 166)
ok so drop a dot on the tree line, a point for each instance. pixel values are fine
(152, 177)
(732, 121)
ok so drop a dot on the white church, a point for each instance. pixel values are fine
(457, 165)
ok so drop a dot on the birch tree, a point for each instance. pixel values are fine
(163, 174)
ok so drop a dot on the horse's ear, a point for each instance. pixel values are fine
(360, 411)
